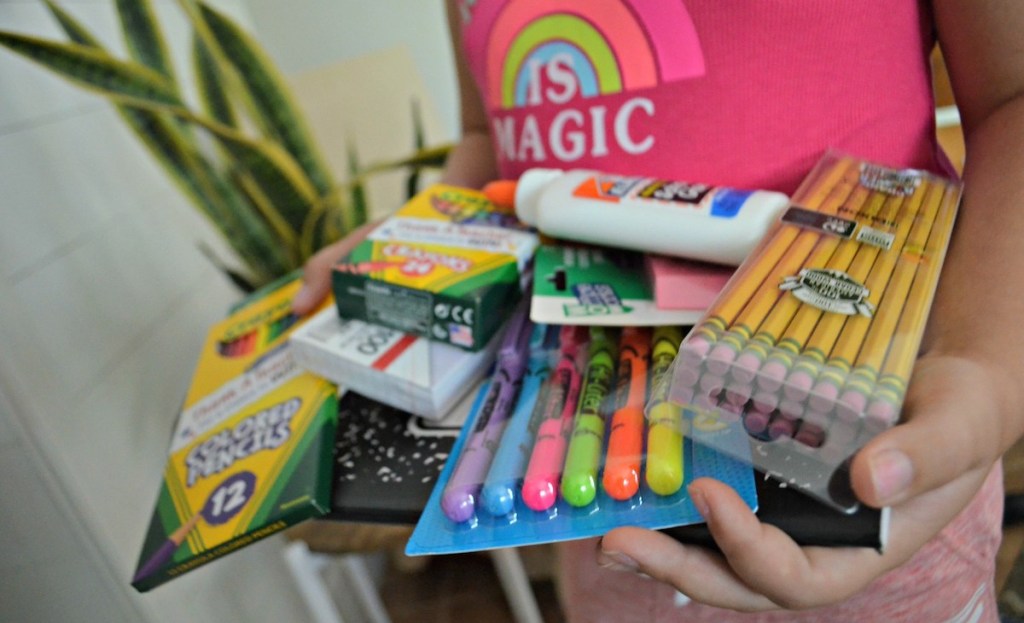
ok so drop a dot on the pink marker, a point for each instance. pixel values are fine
(544, 469)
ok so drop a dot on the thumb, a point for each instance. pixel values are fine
(951, 427)
(316, 277)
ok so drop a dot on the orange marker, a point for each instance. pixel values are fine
(621, 478)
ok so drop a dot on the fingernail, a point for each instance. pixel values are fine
(700, 502)
(617, 561)
(891, 473)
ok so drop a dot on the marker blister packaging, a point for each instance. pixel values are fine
(556, 446)
(810, 346)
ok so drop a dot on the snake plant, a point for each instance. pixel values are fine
(264, 185)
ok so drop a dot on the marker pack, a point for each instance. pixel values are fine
(251, 453)
(810, 347)
(556, 446)
(448, 265)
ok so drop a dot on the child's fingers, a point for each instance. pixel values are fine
(952, 427)
(769, 562)
(316, 275)
(697, 572)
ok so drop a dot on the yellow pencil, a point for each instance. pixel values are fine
(821, 347)
(767, 293)
(832, 253)
(884, 408)
(753, 274)
(869, 337)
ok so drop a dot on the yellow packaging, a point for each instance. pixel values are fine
(252, 450)
(448, 265)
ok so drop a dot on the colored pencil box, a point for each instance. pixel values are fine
(556, 446)
(251, 453)
(810, 347)
(448, 265)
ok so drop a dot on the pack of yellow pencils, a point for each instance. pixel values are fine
(811, 344)
(251, 453)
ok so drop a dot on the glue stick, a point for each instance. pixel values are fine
(697, 221)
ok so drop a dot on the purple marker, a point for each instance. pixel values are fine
(460, 494)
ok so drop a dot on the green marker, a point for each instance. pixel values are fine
(582, 461)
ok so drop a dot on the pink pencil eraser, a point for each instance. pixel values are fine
(823, 396)
(882, 414)
(772, 373)
(798, 385)
(746, 367)
(685, 284)
(719, 359)
(764, 402)
(781, 426)
(756, 422)
(851, 405)
(694, 350)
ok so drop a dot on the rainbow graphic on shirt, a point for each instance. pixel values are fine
(587, 47)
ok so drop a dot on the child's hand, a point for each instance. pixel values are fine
(317, 271)
(927, 469)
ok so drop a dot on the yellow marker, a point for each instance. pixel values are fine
(664, 470)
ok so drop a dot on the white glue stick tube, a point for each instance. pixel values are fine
(696, 221)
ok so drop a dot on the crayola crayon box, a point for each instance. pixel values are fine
(448, 265)
(251, 453)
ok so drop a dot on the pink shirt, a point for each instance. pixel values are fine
(741, 93)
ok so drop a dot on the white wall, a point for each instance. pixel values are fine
(303, 35)
(104, 302)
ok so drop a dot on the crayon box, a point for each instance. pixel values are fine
(252, 451)
(448, 265)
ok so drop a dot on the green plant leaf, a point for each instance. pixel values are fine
(264, 256)
(74, 30)
(212, 95)
(94, 69)
(357, 190)
(430, 157)
(143, 37)
(277, 112)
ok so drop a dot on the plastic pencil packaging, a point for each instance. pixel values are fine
(809, 348)
(557, 447)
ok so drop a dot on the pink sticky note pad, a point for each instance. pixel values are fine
(685, 284)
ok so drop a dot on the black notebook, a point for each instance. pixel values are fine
(804, 519)
(387, 460)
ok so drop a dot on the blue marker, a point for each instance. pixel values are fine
(509, 465)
